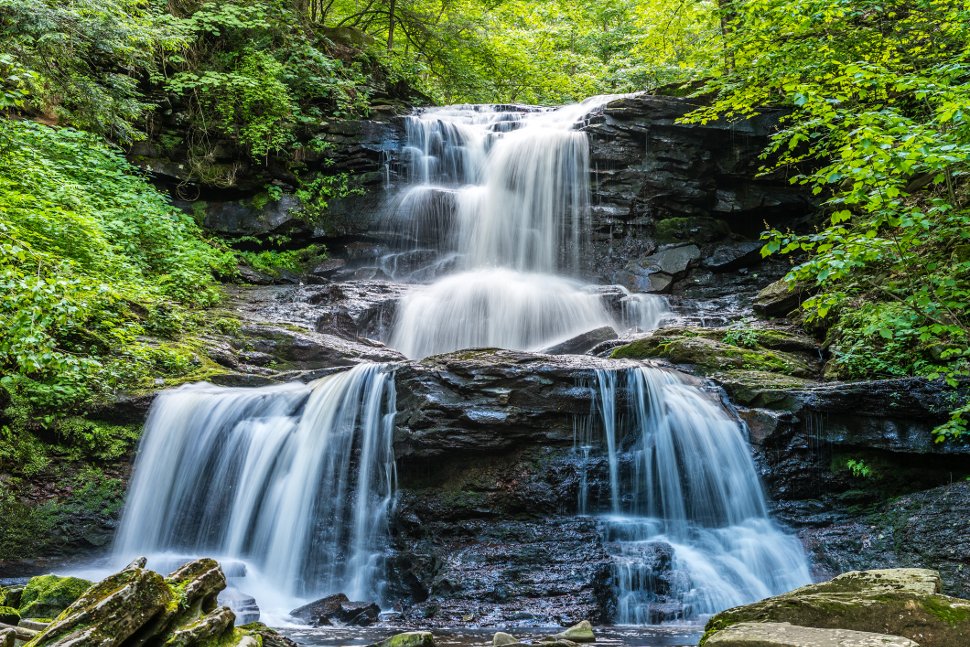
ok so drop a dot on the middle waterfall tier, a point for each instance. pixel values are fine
(681, 507)
(294, 481)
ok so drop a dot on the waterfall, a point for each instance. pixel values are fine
(685, 516)
(294, 481)
(506, 190)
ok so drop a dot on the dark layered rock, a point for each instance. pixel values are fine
(657, 182)
(486, 527)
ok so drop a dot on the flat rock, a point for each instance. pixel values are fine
(775, 634)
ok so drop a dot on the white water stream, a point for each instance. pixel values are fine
(685, 515)
(290, 483)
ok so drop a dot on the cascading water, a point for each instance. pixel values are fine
(506, 190)
(684, 515)
(295, 481)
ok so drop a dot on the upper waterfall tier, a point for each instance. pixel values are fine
(515, 180)
(295, 481)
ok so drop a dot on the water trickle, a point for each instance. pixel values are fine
(684, 514)
(506, 190)
(294, 482)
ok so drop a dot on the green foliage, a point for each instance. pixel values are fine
(315, 194)
(276, 263)
(740, 336)
(93, 259)
(79, 62)
(879, 129)
(858, 468)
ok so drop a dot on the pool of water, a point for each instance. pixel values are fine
(656, 636)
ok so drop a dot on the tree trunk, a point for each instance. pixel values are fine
(390, 25)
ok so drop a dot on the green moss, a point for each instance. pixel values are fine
(9, 615)
(48, 595)
(699, 229)
(707, 350)
(941, 608)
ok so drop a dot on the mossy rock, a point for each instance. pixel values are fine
(761, 388)
(46, 596)
(109, 612)
(581, 632)
(408, 639)
(10, 596)
(711, 350)
(901, 602)
(9, 616)
(696, 229)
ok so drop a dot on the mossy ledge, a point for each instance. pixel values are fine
(903, 602)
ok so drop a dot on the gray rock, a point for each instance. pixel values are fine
(582, 343)
(732, 256)
(774, 634)
(408, 639)
(673, 260)
(500, 639)
(337, 610)
(898, 602)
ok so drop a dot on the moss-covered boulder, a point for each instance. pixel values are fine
(139, 607)
(581, 632)
(898, 602)
(718, 350)
(10, 596)
(408, 639)
(109, 612)
(46, 596)
(9, 616)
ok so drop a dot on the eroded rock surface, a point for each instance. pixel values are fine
(898, 602)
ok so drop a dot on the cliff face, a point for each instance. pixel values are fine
(676, 208)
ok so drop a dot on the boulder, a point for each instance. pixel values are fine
(581, 632)
(8, 637)
(713, 351)
(337, 610)
(10, 596)
(582, 343)
(780, 298)
(46, 596)
(733, 256)
(501, 639)
(408, 639)
(138, 607)
(899, 602)
(782, 634)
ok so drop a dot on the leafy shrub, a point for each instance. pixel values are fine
(91, 259)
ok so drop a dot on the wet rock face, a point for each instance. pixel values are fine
(657, 182)
(485, 528)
